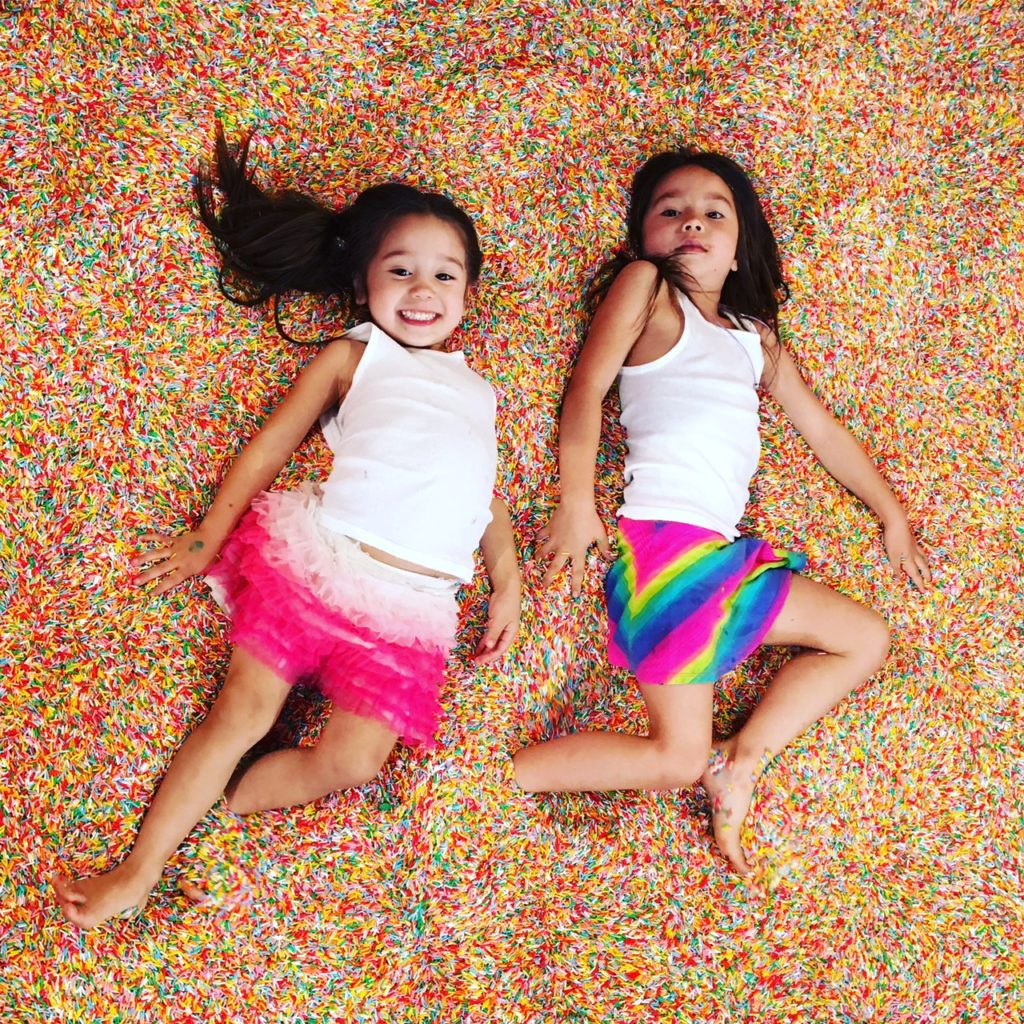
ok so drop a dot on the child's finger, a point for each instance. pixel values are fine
(491, 652)
(170, 573)
(925, 577)
(154, 572)
(172, 580)
(926, 569)
(503, 645)
(155, 538)
(914, 570)
(545, 544)
(558, 562)
(153, 555)
(487, 641)
(491, 647)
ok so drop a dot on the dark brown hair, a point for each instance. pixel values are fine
(271, 243)
(756, 288)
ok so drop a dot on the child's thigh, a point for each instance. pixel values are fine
(680, 715)
(350, 738)
(251, 697)
(818, 617)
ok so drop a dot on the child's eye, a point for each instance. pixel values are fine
(669, 213)
(715, 215)
(400, 271)
(445, 276)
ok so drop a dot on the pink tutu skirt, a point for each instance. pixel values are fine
(311, 605)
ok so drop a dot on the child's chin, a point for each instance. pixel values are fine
(419, 341)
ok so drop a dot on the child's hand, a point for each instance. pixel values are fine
(567, 538)
(503, 612)
(173, 560)
(905, 555)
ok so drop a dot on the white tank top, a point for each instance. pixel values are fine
(415, 455)
(692, 425)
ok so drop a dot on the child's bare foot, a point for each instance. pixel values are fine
(730, 789)
(87, 902)
(219, 885)
(195, 893)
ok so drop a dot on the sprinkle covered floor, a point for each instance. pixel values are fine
(885, 843)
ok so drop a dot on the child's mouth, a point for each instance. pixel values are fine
(416, 316)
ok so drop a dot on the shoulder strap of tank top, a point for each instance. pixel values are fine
(737, 322)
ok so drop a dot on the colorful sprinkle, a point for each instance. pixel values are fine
(885, 843)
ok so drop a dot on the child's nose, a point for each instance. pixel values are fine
(693, 223)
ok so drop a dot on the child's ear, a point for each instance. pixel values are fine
(735, 266)
(359, 292)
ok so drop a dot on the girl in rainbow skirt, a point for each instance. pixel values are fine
(688, 326)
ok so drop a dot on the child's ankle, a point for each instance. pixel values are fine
(749, 762)
(137, 873)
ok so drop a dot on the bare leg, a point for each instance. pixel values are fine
(247, 706)
(672, 755)
(349, 752)
(848, 642)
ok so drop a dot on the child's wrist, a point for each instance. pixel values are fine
(507, 587)
(211, 536)
(893, 517)
(582, 501)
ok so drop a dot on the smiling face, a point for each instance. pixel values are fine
(693, 215)
(416, 282)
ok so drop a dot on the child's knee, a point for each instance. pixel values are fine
(678, 766)
(874, 642)
(244, 716)
(521, 772)
(347, 769)
(249, 701)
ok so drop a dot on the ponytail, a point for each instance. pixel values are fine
(269, 243)
(275, 242)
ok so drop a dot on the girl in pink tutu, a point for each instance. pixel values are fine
(351, 584)
(688, 325)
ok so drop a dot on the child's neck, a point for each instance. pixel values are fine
(708, 304)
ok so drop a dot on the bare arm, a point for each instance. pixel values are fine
(618, 324)
(499, 552)
(321, 384)
(838, 451)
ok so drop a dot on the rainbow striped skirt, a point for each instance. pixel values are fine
(685, 605)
